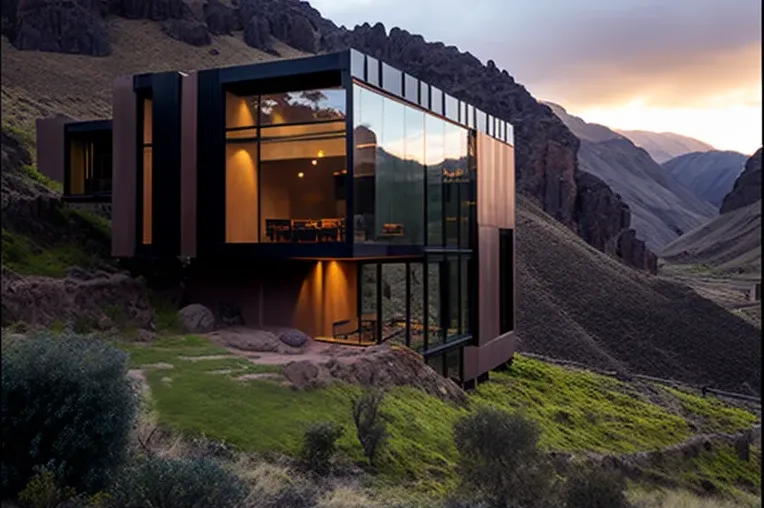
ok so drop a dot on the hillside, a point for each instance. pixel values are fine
(661, 207)
(709, 175)
(731, 241)
(663, 146)
(36, 83)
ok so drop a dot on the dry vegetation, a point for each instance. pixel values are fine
(38, 84)
(576, 303)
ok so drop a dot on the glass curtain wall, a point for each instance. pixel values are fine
(286, 167)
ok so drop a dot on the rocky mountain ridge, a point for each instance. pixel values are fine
(663, 146)
(546, 162)
(747, 187)
(661, 207)
(709, 175)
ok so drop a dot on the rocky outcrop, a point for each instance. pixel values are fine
(188, 31)
(747, 188)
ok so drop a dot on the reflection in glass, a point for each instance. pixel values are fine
(453, 361)
(417, 305)
(368, 318)
(372, 70)
(368, 121)
(394, 301)
(480, 120)
(454, 298)
(357, 64)
(465, 325)
(435, 154)
(452, 108)
(411, 88)
(454, 167)
(436, 100)
(436, 334)
(392, 79)
(302, 107)
(424, 95)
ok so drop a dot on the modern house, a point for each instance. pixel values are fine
(334, 193)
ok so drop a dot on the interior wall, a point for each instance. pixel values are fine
(328, 294)
(241, 193)
(238, 112)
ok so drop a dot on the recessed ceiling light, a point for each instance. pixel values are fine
(320, 153)
(300, 174)
(314, 162)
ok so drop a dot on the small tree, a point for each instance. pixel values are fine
(500, 460)
(595, 488)
(66, 405)
(369, 422)
(176, 483)
(319, 445)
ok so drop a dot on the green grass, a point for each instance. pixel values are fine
(22, 255)
(576, 411)
(579, 410)
(712, 415)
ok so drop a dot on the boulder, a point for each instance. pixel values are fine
(253, 340)
(292, 337)
(257, 34)
(221, 19)
(188, 31)
(196, 318)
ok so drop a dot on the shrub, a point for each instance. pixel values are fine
(369, 422)
(319, 445)
(176, 483)
(595, 488)
(500, 460)
(66, 404)
(279, 487)
(43, 491)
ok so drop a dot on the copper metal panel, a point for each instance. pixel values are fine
(125, 147)
(188, 140)
(50, 147)
(510, 187)
(488, 283)
(478, 360)
(495, 182)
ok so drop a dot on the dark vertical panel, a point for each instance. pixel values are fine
(350, 105)
(408, 304)
(188, 154)
(379, 302)
(51, 157)
(166, 100)
(210, 163)
(125, 151)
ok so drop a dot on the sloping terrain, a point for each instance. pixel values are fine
(731, 241)
(661, 207)
(709, 175)
(578, 304)
(663, 146)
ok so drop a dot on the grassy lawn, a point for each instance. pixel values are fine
(577, 410)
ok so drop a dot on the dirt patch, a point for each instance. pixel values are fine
(261, 376)
(194, 359)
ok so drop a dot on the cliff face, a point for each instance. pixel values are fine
(546, 151)
(747, 188)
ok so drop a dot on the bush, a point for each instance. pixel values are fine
(499, 459)
(67, 405)
(278, 487)
(595, 488)
(42, 491)
(369, 422)
(176, 483)
(319, 445)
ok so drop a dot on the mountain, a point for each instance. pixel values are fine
(731, 241)
(709, 175)
(166, 31)
(661, 207)
(663, 146)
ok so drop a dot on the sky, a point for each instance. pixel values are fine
(692, 67)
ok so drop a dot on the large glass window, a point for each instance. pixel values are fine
(90, 156)
(435, 158)
(285, 167)
(389, 171)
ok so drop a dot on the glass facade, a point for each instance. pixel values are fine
(286, 167)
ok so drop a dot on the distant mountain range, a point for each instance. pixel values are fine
(662, 208)
(663, 146)
(709, 175)
(731, 241)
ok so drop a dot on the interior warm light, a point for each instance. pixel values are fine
(314, 162)
(336, 173)
(300, 174)
(344, 171)
(320, 153)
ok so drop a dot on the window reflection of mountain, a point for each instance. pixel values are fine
(300, 107)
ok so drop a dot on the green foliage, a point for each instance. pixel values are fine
(580, 410)
(319, 446)
(500, 460)
(596, 488)
(31, 172)
(66, 404)
(43, 491)
(22, 255)
(176, 483)
(369, 422)
(711, 414)
(166, 314)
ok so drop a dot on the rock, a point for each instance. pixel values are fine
(188, 31)
(72, 26)
(256, 34)
(292, 337)
(747, 187)
(196, 318)
(220, 19)
(156, 10)
(247, 339)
